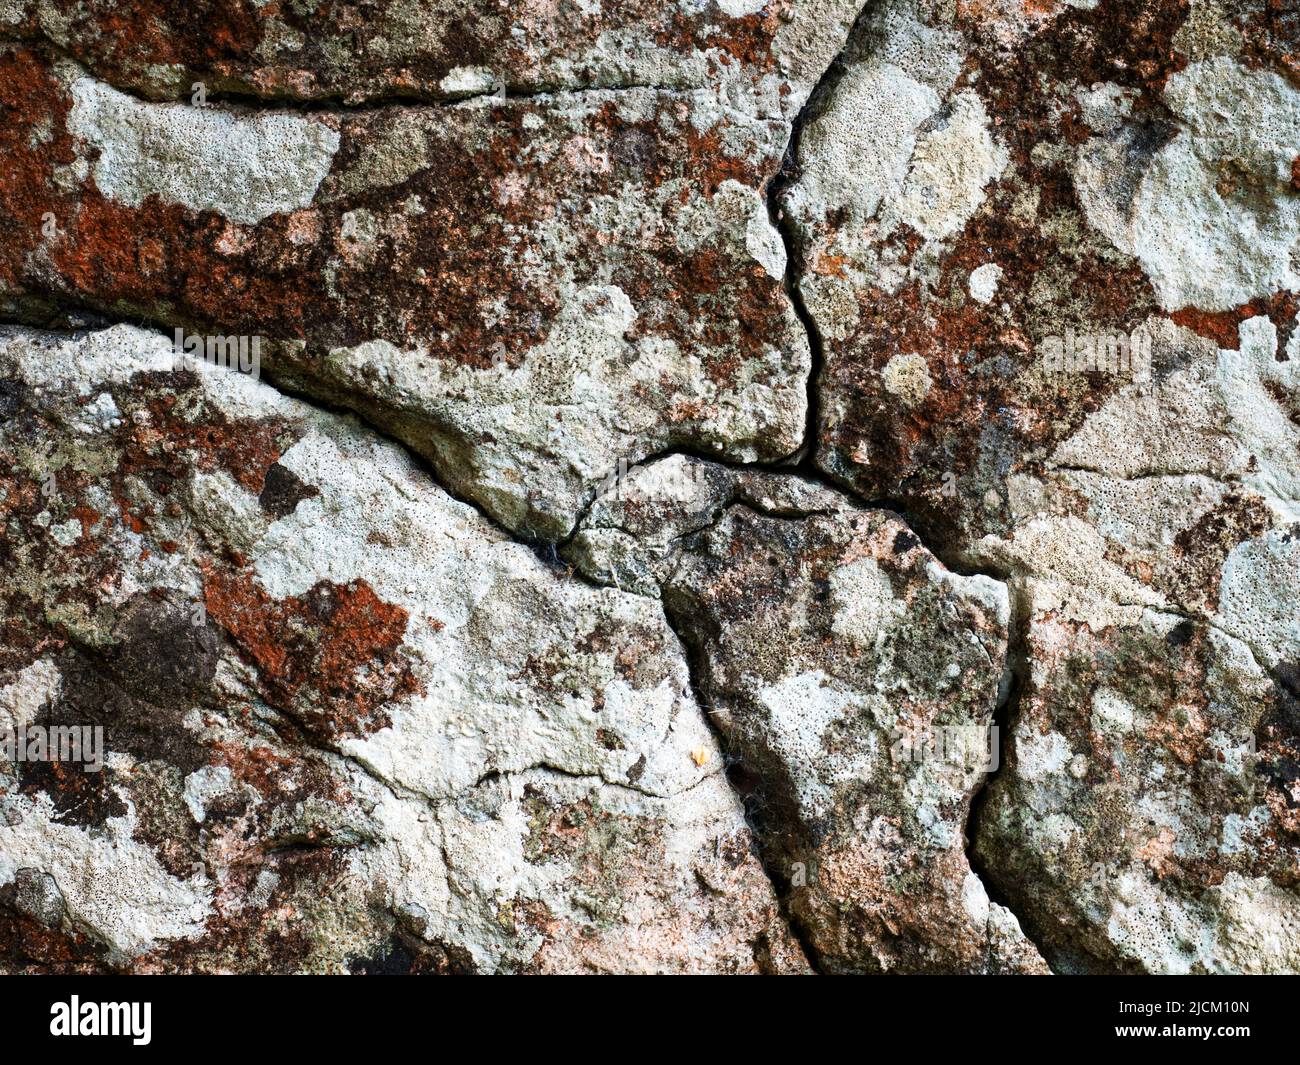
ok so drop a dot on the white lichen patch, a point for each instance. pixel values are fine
(459, 872)
(204, 785)
(468, 81)
(950, 168)
(1105, 105)
(1041, 757)
(764, 243)
(1245, 925)
(1177, 425)
(1250, 380)
(36, 686)
(864, 602)
(1260, 589)
(113, 885)
(908, 378)
(1207, 241)
(800, 710)
(244, 167)
(984, 282)
(1112, 714)
(855, 156)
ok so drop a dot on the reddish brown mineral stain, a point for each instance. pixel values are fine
(327, 658)
(1221, 326)
(31, 101)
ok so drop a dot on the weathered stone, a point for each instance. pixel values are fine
(633, 534)
(853, 679)
(362, 727)
(769, 53)
(963, 385)
(1146, 819)
(525, 291)
(978, 190)
(1058, 317)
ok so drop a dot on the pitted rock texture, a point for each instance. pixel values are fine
(719, 487)
(523, 290)
(831, 645)
(339, 706)
(1147, 819)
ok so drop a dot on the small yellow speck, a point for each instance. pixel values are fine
(700, 756)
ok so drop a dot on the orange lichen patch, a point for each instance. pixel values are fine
(30, 100)
(709, 163)
(161, 447)
(748, 38)
(1157, 853)
(110, 256)
(130, 519)
(830, 265)
(87, 515)
(329, 658)
(1221, 326)
(96, 251)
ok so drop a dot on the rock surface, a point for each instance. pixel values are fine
(346, 719)
(1057, 312)
(526, 290)
(737, 487)
(1146, 821)
(853, 679)
(358, 52)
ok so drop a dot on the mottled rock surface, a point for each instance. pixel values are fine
(729, 487)
(523, 289)
(1049, 257)
(344, 716)
(358, 52)
(834, 652)
(1147, 818)
(974, 188)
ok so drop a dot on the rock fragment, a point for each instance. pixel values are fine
(853, 681)
(364, 727)
(1146, 818)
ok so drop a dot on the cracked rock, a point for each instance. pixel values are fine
(358, 722)
(668, 487)
(1146, 820)
(1048, 259)
(525, 291)
(1028, 241)
(768, 53)
(853, 680)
